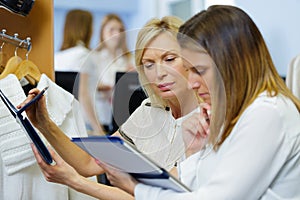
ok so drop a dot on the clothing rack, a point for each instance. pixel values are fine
(14, 40)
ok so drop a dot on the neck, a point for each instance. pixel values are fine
(176, 108)
(112, 50)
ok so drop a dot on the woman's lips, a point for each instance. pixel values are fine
(203, 95)
(165, 86)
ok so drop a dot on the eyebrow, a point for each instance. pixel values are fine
(172, 51)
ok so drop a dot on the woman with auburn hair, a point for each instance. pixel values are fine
(74, 51)
(75, 47)
(253, 147)
(97, 77)
(154, 127)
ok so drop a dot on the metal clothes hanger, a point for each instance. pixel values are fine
(12, 64)
(27, 69)
(3, 58)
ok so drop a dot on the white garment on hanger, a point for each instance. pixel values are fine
(21, 177)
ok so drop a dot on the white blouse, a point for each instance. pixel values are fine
(259, 160)
(156, 133)
(71, 59)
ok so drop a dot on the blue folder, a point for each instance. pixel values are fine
(27, 126)
(124, 156)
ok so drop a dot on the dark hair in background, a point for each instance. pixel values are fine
(78, 28)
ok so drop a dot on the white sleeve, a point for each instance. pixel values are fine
(187, 170)
(256, 151)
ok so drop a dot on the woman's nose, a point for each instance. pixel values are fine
(161, 71)
(195, 85)
(193, 82)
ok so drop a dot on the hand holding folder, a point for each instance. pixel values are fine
(27, 126)
(124, 156)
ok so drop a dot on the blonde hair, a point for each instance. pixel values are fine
(77, 28)
(150, 31)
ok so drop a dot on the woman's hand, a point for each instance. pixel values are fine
(195, 130)
(119, 179)
(37, 112)
(61, 172)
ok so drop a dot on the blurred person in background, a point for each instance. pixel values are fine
(74, 51)
(97, 77)
(76, 42)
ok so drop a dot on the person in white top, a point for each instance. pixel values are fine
(75, 47)
(98, 72)
(73, 53)
(154, 127)
(251, 149)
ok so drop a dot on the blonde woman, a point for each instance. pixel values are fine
(154, 128)
(255, 152)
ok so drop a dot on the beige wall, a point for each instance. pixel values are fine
(39, 26)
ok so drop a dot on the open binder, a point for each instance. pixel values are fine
(124, 156)
(27, 126)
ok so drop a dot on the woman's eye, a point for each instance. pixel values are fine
(148, 65)
(169, 59)
(200, 71)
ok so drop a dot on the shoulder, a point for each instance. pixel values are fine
(146, 115)
(277, 114)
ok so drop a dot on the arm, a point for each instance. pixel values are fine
(86, 101)
(74, 155)
(64, 174)
(251, 160)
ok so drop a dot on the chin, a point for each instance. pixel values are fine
(168, 95)
(208, 101)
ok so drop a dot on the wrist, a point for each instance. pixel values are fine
(132, 186)
(188, 153)
(46, 126)
(191, 150)
(76, 182)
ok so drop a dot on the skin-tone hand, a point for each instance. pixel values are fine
(37, 112)
(119, 179)
(61, 172)
(195, 130)
(70, 152)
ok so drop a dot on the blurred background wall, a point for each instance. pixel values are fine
(277, 19)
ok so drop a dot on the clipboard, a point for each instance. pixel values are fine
(124, 156)
(27, 126)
